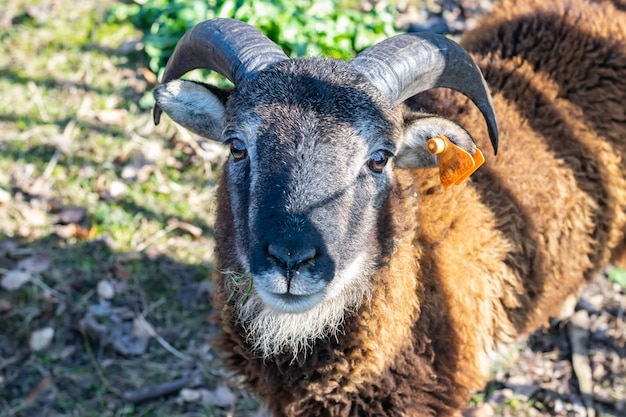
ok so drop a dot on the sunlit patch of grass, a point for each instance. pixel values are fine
(72, 125)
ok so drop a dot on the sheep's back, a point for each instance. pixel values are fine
(558, 73)
(542, 217)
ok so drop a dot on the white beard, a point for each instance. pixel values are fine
(272, 332)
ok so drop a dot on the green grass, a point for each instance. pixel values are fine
(73, 127)
(618, 276)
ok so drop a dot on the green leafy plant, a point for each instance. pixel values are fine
(618, 276)
(333, 28)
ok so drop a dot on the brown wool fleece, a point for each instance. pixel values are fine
(477, 265)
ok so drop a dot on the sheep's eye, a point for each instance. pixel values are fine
(378, 160)
(238, 149)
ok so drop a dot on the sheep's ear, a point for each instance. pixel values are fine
(412, 151)
(196, 106)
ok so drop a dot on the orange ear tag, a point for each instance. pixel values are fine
(455, 164)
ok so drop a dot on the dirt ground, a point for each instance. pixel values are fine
(106, 243)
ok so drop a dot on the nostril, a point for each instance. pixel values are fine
(303, 256)
(291, 258)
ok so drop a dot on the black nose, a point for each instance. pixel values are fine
(289, 258)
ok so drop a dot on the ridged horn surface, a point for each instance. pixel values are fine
(408, 64)
(229, 47)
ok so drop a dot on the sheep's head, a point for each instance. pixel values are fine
(313, 147)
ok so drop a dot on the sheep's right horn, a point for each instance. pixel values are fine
(405, 65)
(232, 48)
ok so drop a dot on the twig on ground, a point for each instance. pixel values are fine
(578, 334)
(66, 137)
(10, 361)
(44, 384)
(159, 390)
(45, 117)
(174, 224)
(39, 283)
(147, 327)
(156, 236)
(98, 369)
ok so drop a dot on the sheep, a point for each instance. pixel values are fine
(348, 281)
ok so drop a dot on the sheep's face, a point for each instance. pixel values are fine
(307, 178)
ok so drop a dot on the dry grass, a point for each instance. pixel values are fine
(107, 220)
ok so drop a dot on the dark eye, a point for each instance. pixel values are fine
(378, 160)
(238, 149)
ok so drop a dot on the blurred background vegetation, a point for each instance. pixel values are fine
(329, 28)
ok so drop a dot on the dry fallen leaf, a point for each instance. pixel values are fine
(67, 231)
(112, 117)
(36, 263)
(148, 75)
(14, 279)
(41, 339)
(117, 190)
(129, 345)
(5, 197)
(143, 329)
(138, 170)
(41, 388)
(189, 395)
(129, 339)
(35, 217)
(153, 150)
(119, 271)
(482, 410)
(105, 289)
(72, 214)
(89, 326)
(193, 230)
(219, 397)
(5, 306)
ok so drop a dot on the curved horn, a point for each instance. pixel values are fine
(405, 65)
(229, 47)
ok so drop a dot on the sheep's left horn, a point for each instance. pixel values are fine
(405, 65)
(229, 47)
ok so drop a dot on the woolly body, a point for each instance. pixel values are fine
(468, 269)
